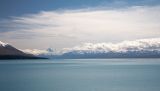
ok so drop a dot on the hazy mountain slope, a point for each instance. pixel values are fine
(9, 52)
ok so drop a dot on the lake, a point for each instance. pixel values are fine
(80, 75)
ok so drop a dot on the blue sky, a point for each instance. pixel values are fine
(39, 24)
(20, 7)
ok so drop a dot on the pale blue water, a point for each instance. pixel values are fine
(80, 75)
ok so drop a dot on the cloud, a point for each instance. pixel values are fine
(67, 28)
(152, 44)
(35, 51)
(140, 45)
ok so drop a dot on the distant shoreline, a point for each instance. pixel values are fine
(3, 57)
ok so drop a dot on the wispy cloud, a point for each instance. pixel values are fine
(96, 25)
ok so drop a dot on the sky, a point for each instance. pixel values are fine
(40, 24)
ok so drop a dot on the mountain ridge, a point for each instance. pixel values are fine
(9, 52)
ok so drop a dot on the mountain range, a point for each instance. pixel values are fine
(128, 54)
(142, 48)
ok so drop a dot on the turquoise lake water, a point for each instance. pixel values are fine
(80, 75)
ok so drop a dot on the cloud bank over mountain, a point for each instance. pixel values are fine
(137, 45)
(136, 48)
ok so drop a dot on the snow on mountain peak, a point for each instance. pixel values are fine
(3, 44)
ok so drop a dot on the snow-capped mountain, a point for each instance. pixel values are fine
(9, 52)
(142, 48)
